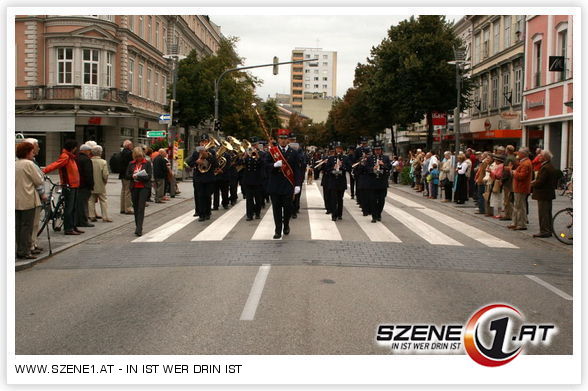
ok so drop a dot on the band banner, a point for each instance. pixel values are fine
(286, 169)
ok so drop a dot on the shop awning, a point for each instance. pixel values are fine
(44, 124)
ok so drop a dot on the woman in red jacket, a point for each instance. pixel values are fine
(139, 174)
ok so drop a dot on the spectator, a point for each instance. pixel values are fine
(159, 175)
(397, 168)
(461, 189)
(35, 248)
(100, 172)
(27, 179)
(544, 192)
(496, 197)
(489, 183)
(86, 172)
(480, 184)
(507, 183)
(139, 174)
(434, 186)
(425, 174)
(126, 155)
(521, 185)
(417, 171)
(70, 182)
(537, 162)
(447, 175)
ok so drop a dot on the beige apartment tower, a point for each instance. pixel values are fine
(318, 78)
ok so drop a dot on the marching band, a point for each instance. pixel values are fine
(276, 170)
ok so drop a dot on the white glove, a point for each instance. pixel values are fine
(278, 164)
(297, 190)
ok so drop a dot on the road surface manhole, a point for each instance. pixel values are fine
(327, 281)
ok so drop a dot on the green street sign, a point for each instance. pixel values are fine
(156, 133)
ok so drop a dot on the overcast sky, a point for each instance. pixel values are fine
(266, 36)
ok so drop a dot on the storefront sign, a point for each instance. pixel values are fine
(94, 120)
(537, 103)
(509, 115)
(439, 119)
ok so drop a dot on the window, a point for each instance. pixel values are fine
(164, 89)
(316, 86)
(325, 86)
(108, 69)
(90, 66)
(325, 78)
(149, 83)
(496, 42)
(141, 32)
(519, 25)
(518, 86)
(131, 19)
(562, 38)
(537, 63)
(163, 40)
(325, 64)
(325, 56)
(507, 25)
(64, 65)
(494, 101)
(131, 75)
(307, 86)
(316, 71)
(307, 56)
(140, 80)
(484, 99)
(506, 87)
(157, 35)
(486, 43)
(156, 88)
(316, 79)
(307, 78)
(149, 31)
(477, 48)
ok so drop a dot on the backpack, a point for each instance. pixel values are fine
(114, 163)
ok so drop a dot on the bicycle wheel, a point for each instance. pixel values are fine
(563, 225)
(45, 217)
(58, 216)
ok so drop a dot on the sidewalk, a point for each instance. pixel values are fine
(60, 242)
(469, 208)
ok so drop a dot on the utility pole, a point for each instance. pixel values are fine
(218, 80)
(459, 55)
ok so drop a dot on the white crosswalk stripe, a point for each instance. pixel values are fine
(168, 229)
(466, 229)
(419, 227)
(223, 225)
(266, 227)
(376, 232)
(321, 225)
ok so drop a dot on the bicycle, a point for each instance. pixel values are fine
(564, 181)
(562, 224)
(52, 210)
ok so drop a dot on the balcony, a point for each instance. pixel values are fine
(72, 93)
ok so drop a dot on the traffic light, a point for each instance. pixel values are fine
(176, 112)
(276, 61)
(217, 126)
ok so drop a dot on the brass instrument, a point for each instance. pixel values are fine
(337, 169)
(204, 166)
(320, 163)
(222, 161)
(377, 170)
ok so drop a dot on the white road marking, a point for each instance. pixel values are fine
(419, 227)
(321, 225)
(255, 293)
(547, 285)
(266, 227)
(376, 232)
(166, 230)
(222, 225)
(465, 229)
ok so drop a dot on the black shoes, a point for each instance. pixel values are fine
(541, 235)
(257, 217)
(138, 233)
(249, 218)
(195, 215)
(207, 217)
(374, 220)
(86, 225)
(334, 218)
(277, 236)
(286, 230)
(215, 208)
(201, 218)
(294, 215)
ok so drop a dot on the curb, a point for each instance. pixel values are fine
(26, 265)
(481, 218)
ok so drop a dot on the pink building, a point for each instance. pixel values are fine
(548, 95)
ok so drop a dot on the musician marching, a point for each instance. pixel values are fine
(336, 169)
(361, 155)
(376, 169)
(351, 157)
(204, 163)
(253, 161)
(301, 166)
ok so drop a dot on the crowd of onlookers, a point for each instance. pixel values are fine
(499, 182)
(83, 177)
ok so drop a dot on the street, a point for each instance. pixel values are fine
(225, 287)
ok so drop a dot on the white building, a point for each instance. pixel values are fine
(313, 77)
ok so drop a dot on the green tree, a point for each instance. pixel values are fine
(195, 91)
(270, 114)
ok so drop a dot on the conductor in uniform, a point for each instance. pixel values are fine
(377, 171)
(336, 169)
(280, 189)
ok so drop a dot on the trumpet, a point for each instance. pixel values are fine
(320, 163)
(377, 170)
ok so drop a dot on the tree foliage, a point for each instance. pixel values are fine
(195, 91)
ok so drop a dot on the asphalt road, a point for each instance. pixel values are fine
(221, 287)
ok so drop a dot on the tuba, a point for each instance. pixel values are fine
(205, 166)
(222, 161)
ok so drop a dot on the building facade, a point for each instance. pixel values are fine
(548, 94)
(318, 77)
(99, 77)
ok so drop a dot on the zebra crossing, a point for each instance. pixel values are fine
(404, 221)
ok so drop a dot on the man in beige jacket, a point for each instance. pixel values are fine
(100, 171)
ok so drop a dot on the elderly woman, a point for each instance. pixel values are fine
(461, 187)
(446, 176)
(27, 178)
(497, 196)
(139, 174)
(100, 171)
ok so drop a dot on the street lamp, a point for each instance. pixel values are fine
(459, 55)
